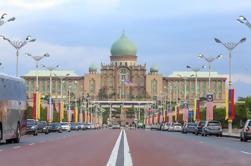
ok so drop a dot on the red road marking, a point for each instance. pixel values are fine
(153, 149)
(90, 148)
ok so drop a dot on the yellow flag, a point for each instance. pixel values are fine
(175, 113)
(226, 104)
(194, 109)
(61, 110)
(38, 105)
(76, 114)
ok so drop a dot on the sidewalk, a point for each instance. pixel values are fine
(235, 133)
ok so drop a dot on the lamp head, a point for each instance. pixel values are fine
(12, 19)
(219, 56)
(243, 40)
(189, 67)
(3, 15)
(28, 54)
(242, 18)
(46, 55)
(204, 66)
(200, 56)
(217, 40)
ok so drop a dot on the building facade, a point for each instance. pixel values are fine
(124, 79)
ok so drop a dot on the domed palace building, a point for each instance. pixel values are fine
(123, 79)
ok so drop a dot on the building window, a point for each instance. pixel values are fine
(92, 86)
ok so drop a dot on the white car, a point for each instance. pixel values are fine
(115, 126)
(177, 127)
(65, 126)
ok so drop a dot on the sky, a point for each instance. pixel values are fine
(169, 34)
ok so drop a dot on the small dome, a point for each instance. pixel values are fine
(154, 69)
(123, 46)
(92, 68)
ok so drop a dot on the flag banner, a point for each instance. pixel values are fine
(81, 117)
(158, 117)
(227, 104)
(194, 110)
(61, 111)
(175, 113)
(209, 111)
(178, 113)
(128, 83)
(232, 103)
(34, 106)
(38, 105)
(76, 115)
(198, 110)
(185, 114)
(48, 112)
(170, 116)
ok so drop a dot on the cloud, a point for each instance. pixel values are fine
(77, 58)
(32, 4)
(243, 78)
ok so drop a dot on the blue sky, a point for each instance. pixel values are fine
(169, 34)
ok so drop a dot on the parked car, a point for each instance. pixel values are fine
(246, 131)
(75, 126)
(140, 125)
(155, 127)
(212, 128)
(164, 127)
(55, 127)
(31, 127)
(199, 126)
(43, 127)
(115, 126)
(65, 126)
(82, 126)
(170, 126)
(177, 127)
(189, 128)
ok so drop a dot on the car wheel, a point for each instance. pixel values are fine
(18, 135)
(241, 139)
(245, 139)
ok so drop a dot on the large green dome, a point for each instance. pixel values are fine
(123, 46)
(154, 69)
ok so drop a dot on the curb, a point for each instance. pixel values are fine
(231, 136)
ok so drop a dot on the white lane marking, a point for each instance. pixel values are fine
(201, 142)
(16, 147)
(31, 144)
(246, 152)
(127, 154)
(1, 150)
(113, 157)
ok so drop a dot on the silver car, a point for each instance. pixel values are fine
(246, 131)
(212, 128)
(65, 126)
(177, 127)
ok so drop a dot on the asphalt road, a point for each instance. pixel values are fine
(139, 147)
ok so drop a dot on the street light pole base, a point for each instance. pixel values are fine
(229, 127)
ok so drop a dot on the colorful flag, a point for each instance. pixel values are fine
(209, 112)
(227, 104)
(195, 109)
(231, 103)
(38, 105)
(34, 106)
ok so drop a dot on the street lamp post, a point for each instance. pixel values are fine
(61, 91)
(50, 68)
(230, 46)
(17, 44)
(3, 19)
(209, 60)
(244, 20)
(37, 59)
(196, 70)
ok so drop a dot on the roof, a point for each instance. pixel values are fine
(46, 73)
(123, 46)
(202, 74)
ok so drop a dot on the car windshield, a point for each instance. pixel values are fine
(249, 124)
(213, 124)
(64, 124)
(30, 122)
(178, 124)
